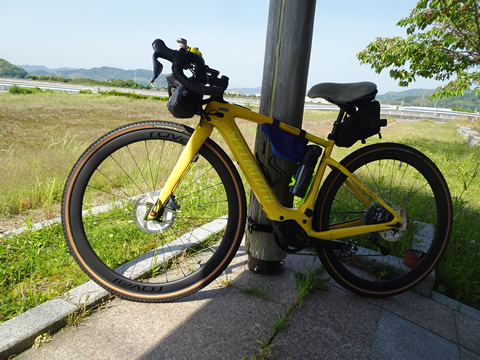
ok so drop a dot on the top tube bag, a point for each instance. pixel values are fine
(285, 145)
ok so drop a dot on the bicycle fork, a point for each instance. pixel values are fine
(187, 157)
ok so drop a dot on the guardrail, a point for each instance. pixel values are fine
(428, 113)
(402, 112)
(407, 112)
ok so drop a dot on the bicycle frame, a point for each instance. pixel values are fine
(222, 116)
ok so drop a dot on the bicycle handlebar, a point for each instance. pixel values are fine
(181, 60)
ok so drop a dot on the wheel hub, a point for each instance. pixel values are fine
(377, 215)
(143, 206)
(396, 234)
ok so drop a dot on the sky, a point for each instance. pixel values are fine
(230, 34)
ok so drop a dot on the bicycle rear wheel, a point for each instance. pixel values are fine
(113, 185)
(387, 262)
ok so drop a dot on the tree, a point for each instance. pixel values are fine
(443, 43)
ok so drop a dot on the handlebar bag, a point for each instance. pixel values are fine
(283, 144)
(363, 123)
(184, 103)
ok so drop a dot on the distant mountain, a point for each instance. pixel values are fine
(103, 73)
(9, 70)
(421, 97)
(35, 68)
(398, 95)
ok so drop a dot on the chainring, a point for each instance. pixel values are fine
(291, 249)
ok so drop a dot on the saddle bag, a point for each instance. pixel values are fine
(359, 125)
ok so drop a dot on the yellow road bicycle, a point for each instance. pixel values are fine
(156, 210)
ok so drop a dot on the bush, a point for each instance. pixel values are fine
(19, 91)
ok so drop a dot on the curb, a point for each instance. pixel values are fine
(19, 334)
(472, 137)
(456, 305)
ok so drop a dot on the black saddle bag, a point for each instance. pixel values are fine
(359, 125)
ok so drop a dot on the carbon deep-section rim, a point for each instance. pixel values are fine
(380, 264)
(111, 187)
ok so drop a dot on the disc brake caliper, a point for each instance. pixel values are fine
(161, 221)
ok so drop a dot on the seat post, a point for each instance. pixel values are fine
(340, 116)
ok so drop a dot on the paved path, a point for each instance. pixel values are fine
(229, 323)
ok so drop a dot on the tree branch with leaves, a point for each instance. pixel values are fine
(443, 43)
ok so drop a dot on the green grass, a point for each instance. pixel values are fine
(457, 274)
(35, 266)
(42, 135)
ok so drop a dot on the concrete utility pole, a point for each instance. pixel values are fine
(287, 57)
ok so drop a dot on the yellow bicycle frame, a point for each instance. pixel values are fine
(222, 116)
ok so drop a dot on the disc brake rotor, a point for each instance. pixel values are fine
(377, 214)
(142, 207)
(397, 233)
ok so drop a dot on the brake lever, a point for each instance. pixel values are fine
(157, 67)
(179, 60)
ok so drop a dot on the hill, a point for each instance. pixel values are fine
(103, 73)
(399, 95)
(420, 97)
(9, 70)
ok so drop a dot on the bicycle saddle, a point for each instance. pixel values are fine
(350, 94)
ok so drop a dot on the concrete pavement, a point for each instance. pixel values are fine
(233, 318)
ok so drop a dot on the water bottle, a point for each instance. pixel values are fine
(306, 167)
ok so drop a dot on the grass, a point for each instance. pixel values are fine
(42, 135)
(42, 339)
(457, 274)
(35, 266)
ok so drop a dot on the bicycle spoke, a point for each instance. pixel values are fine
(192, 235)
(375, 263)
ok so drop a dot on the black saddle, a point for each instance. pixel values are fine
(349, 95)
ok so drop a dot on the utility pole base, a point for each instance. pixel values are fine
(263, 267)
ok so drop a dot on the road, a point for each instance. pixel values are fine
(394, 111)
(5, 84)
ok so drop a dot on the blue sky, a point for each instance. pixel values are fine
(231, 35)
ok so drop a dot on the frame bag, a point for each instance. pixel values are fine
(283, 144)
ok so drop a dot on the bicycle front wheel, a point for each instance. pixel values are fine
(114, 184)
(388, 262)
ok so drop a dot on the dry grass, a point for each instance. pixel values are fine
(42, 135)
